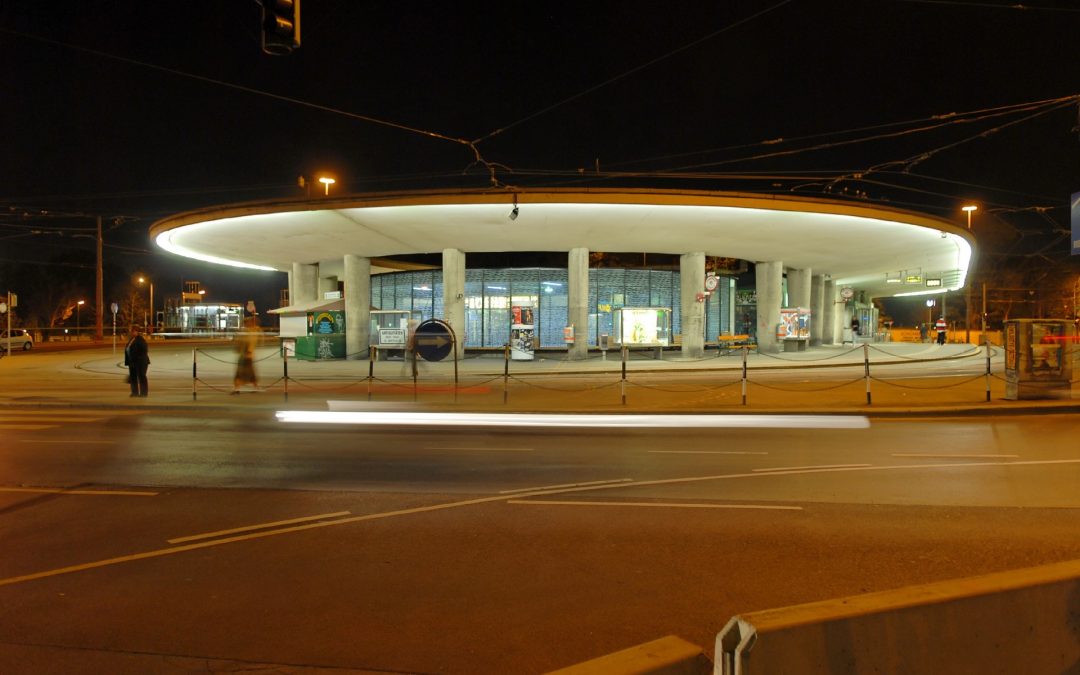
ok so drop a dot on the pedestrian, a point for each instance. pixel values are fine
(940, 326)
(245, 363)
(924, 332)
(854, 327)
(137, 360)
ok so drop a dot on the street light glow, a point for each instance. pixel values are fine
(327, 182)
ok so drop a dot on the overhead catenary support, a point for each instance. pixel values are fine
(770, 279)
(817, 307)
(692, 304)
(577, 268)
(357, 306)
(453, 270)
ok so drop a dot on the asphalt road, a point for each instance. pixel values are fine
(181, 541)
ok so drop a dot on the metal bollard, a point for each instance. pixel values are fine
(506, 370)
(194, 375)
(745, 351)
(625, 351)
(866, 366)
(285, 365)
(370, 369)
(987, 342)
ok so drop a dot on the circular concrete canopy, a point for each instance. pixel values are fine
(861, 246)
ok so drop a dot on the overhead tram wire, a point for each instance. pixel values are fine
(471, 145)
(1049, 106)
(627, 73)
(1015, 6)
(951, 117)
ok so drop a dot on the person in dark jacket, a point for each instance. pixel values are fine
(137, 360)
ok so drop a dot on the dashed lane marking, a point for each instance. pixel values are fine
(811, 468)
(262, 526)
(568, 485)
(92, 493)
(496, 498)
(770, 507)
(707, 452)
(924, 455)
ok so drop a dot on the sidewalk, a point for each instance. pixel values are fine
(907, 379)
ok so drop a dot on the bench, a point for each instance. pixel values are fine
(730, 344)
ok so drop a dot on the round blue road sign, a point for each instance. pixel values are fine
(434, 340)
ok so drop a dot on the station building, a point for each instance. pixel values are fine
(818, 264)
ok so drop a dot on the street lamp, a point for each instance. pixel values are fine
(970, 208)
(327, 181)
(78, 318)
(143, 280)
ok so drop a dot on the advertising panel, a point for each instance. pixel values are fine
(796, 322)
(644, 326)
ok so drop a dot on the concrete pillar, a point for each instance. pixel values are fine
(692, 283)
(292, 291)
(305, 283)
(828, 313)
(357, 307)
(817, 307)
(770, 283)
(327, 285)
(577, 269)
(453, 271)
(798, 284)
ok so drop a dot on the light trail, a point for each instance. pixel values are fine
(384, 418)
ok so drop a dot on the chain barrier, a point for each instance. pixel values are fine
(814, 389)
(573, 390)
(803, 360)
(935, 386)
(974, 351)
(688, 389)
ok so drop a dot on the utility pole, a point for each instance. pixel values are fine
(99, 296)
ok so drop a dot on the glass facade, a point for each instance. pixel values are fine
(491, 293)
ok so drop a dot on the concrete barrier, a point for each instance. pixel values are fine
(669, 655)
(1022, 621)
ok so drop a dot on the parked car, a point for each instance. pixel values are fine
(19, 339)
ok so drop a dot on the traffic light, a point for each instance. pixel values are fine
(280, 26)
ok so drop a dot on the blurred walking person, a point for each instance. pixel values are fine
(137, 360)
(245, 378)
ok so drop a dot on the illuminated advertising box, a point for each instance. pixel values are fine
(643, 326)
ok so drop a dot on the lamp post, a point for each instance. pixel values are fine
(143, 280)
(78, 318)
(970, 209)
(327, 181)
(930, 313)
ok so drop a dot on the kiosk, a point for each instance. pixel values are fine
(1039, 355)
(794, 328)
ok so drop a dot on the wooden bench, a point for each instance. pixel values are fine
(730, 344)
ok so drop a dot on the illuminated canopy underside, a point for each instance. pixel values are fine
(859, 246)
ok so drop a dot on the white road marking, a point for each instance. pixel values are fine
(95, 493)
(262, 526)
(707, 452)
(61, 441)
(812, 468)
(48, 418)
(568, 485)
(657, 505)
(487, 500)
(955, 456)
(482, 448)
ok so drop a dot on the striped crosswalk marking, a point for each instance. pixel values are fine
(37, 420)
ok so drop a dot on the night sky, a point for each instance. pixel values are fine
(101, 113)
